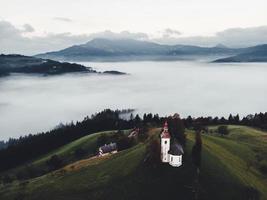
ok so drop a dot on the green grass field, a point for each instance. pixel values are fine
(230, 165)
(241, 152)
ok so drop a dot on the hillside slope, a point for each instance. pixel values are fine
(125, 175)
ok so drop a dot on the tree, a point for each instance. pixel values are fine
(153, 156)
(196, 150)
(177, 128)
(223, 130)
(231, 119)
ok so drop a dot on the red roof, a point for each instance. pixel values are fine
(165, 133)
(166, 125)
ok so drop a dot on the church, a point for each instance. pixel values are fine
(171, 150)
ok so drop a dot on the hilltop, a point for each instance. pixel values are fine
(231, 163)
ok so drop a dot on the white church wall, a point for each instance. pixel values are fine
(175, 160)
(165, 147)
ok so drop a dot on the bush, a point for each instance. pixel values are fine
(223, 130)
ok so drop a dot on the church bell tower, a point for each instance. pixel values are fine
(165, 143)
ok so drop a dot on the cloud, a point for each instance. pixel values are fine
(17, 40)
(28, 28)
(171, 32)
(14, 40)
(166, 36)
(63, 19)
(7, 30)
(243, 36)
(121, 35)
(233, 37)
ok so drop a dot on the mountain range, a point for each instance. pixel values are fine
(100, 49)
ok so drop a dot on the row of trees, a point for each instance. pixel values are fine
(257, 120)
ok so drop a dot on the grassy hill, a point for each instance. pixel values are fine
(66, 153)
(231, 167)
(243, 154)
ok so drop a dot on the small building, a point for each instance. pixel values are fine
(171, 150)
(175, 154)
(108, 149)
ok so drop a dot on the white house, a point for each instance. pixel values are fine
(171, 151)
(107, 149)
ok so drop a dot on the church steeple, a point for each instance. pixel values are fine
(165, 143)
(165, 133)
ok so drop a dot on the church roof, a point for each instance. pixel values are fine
(165, 133)
(176, 149)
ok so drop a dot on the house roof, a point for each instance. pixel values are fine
(108, 147)
(176, 149)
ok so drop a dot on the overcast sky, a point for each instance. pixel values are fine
(63, 22)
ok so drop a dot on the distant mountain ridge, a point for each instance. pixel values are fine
(251, 54)
(128, 49)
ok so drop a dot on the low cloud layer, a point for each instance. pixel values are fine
(63, 19)
(23, 40)
(121, 35)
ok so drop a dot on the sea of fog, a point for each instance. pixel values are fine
(31, 104)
